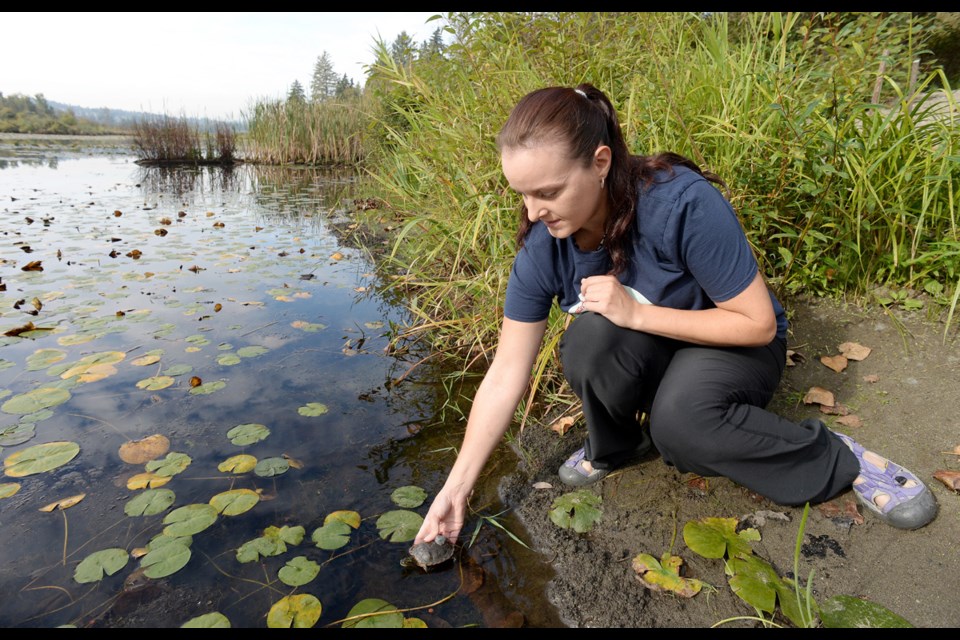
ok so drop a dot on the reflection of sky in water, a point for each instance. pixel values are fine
(244, 243)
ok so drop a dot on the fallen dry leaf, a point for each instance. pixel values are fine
(562, 425)
(144, 449)
(35, 265)
(65, 503)
(819, 395)
(950, 478)
(829, 509)
(851, 511)
(837, 363)
(794, 358)
(854, 351)
(838, 409)
(871, 377)
(851, 420)
(698, 483)
(955, 451)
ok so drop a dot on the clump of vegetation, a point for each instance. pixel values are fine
(26, 114)
(167, 141)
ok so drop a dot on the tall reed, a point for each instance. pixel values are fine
(167, 140)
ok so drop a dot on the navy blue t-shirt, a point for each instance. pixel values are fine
(690, 253)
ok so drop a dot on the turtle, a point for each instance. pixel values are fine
(427, 555)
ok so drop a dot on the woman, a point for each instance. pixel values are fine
(673, 320)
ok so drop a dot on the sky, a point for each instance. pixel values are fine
(205, 65)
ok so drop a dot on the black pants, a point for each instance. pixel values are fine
(706, 410)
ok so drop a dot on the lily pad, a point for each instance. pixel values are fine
(716, 537)
(251, 351)
(399, 525)
(177, 370)
(17, 434)
(312, 409)
(144, 449)
(8, 489)
(235, 501)
(40, 458)
(408, 497)
(189, 520)
(850, 612)
(212, 620)
(166, 559)
(207, 388)
(298, 571)
(664, 575)
(578, 510)
(171, 465)
(332, 535)
(352, 518)
(228, 359)
(100, 563)
(35, 400)
(298, 611)
(150, 502)
(241, 463)
(374, 613)
(43, 358)
(270, 467)
(244, 434)
(155, 383)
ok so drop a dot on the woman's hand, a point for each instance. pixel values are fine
(606, 296)
(445, 517)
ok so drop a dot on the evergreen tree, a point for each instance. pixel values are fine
(403, 48)
(324, 82)
(296, 93)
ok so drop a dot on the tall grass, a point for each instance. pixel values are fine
(167, 140)
(837, 192)
(328, 132)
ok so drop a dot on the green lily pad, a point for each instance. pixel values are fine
(251, 351)
(578, 510)
(408, 497)
(716, 537)
(207, 388)
(35, 400)
(312, 409)
(43, 358)
(198, 340)
(399, 525)
(849, 612)
(155, 383)
(40, 458)
(212, 620)
(298, 571)
(299, 611)
(235, 501)
(374, 613)
(269, 467)
(177, 370)
(244, 434)
(189, 519)
(332, 535)
(17, 434)
(150, 502)
(100, 563)
(228, 359)
(170, 465)
(273, 542)
(757, 583)
(166, 559)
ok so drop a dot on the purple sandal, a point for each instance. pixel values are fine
(909, 507)
(573, 474)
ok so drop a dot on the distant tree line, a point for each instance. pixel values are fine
(34, 114)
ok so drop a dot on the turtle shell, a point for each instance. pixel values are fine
(429, 554)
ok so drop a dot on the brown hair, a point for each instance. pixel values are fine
(582, 119)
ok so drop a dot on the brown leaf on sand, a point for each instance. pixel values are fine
(854, 351)
(950, 478)
(829, 509)
(562, 425)
(838, 409)
(833, 510)
(837, 363)
(851, 420)
(955, 451)
(871, 377)
(819, 395)
(850, 510)
(794, 358)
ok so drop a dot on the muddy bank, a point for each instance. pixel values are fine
(906, 394)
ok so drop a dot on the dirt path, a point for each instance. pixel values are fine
(906, 392)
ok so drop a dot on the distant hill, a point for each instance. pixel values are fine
(125, 119)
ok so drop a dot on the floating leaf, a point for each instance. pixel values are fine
(352, 518)
(716, 537)
(235, 501)
(854, 351)
(578, 510)
(100, 563)
(332, 535)
(228, 359)
(299, 611)
(167, 558)
(665, 575)
(144, 449)
(849, 612)
(298, 571)
(312, 409)
(35, 400)
(146, 360)
(212, 620)
(8, 489)
(399, 525)
(40, 458)
(43, 358)
(269, 467)
(373, 613)
(147, 480)
(251, 352)
(837, 363)
(171, 465)
(408, 497)
(310, 327)
(189, 520)
(198, 340)
(64, 503)
(273, 542)
(208, 388)
(177, 370)
(244, 434)
(149, 503)
(241, 463)
(17, 434)
(377, 324)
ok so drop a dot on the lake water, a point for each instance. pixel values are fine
(218, 311)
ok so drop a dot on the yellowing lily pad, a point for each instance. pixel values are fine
(298, 611)
(147, 480)
(155, 383)
(208, 387)
(64, 503)
(352, 518)
(146, 360)
(35, 400)
(241, 463)
(665, 575)
(312, 409)
(40, 458)
(8, 489)
(235, 501)
(43, 358)
(144, 449)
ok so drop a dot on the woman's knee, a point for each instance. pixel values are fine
(587, 343)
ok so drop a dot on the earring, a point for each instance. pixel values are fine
(602, 178)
